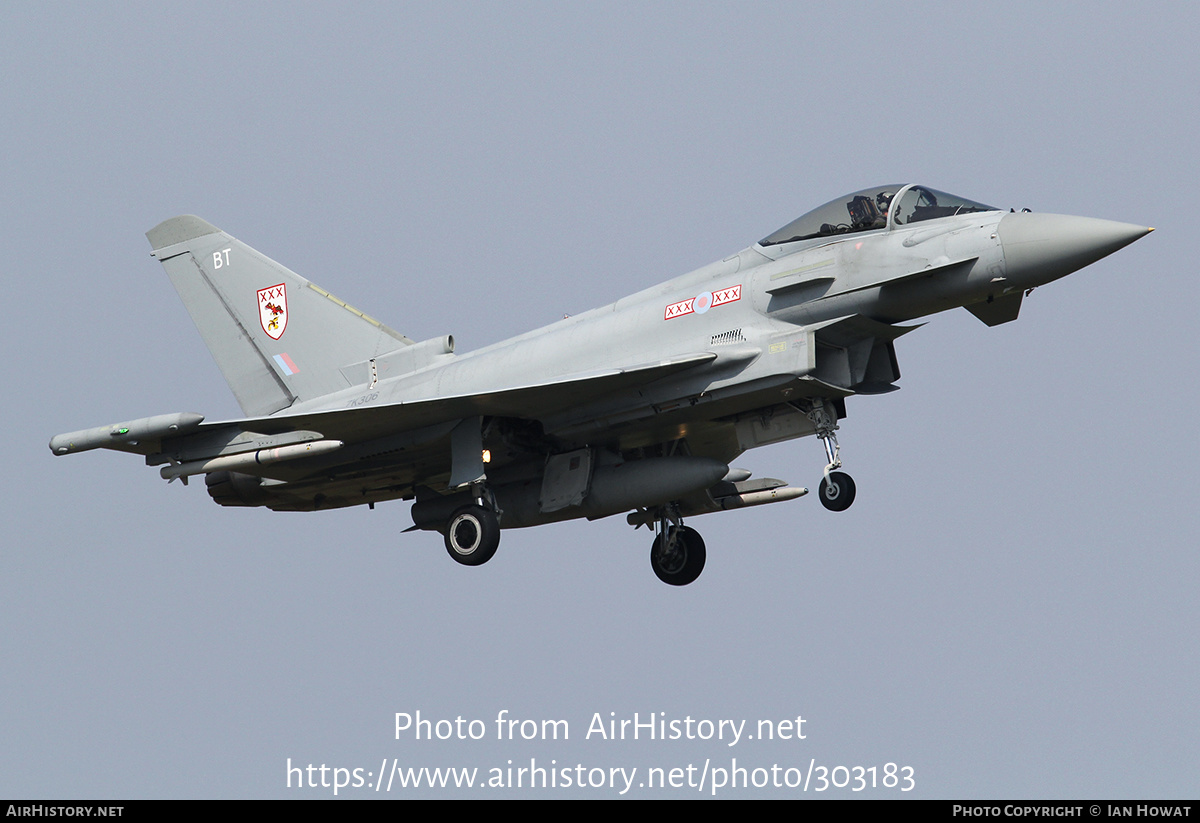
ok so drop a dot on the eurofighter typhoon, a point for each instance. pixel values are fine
(639, 407)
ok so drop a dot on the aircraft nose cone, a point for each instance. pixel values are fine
(1039, 248)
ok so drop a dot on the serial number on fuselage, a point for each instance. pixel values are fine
(364, 400)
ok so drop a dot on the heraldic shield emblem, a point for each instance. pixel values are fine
(272, 310)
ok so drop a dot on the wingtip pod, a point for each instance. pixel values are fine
(123, 436)
(179, 230)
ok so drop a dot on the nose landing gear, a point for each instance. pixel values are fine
(836, 491)
(837, 488)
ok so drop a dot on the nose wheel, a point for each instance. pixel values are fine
(836, 491)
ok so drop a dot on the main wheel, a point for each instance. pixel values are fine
(836, 492)
(681, 559)
(472, 535)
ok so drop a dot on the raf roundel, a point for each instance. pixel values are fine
(703, 301)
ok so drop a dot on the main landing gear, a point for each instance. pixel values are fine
(677, 554)
(473, 535)
(837, 488)
(473, 532)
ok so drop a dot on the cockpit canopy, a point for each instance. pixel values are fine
(870, 209)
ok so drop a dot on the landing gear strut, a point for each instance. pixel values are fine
(677, 554)
(837, 488)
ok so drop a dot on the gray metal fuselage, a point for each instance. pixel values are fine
(853, 274)
(633, 329)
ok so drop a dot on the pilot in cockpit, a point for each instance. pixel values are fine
(866, 213)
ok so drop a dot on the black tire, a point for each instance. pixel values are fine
(836, 493)
(684, 564)
(472, 535)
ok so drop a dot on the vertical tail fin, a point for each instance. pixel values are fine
(276, 337)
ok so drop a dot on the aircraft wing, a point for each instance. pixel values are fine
(531, 401)
(184, 437)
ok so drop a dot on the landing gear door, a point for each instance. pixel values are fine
(566, 480)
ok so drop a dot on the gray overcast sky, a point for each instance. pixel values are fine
(1009, 608)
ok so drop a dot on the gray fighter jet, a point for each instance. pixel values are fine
(639, 407)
